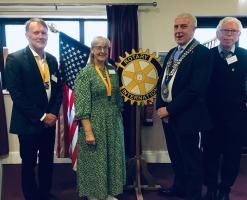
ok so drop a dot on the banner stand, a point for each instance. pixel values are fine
(140, 73)
(137, 166)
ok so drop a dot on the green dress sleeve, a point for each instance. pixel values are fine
(82, 92)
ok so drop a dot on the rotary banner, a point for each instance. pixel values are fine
(139, 73)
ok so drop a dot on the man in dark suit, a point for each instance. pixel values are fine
(33, 81)
(182, 107)
(226, 103)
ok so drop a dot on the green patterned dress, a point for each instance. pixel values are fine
(100, 167)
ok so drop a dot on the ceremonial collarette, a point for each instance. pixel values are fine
(172, 67)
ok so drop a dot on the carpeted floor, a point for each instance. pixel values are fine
(64, 186)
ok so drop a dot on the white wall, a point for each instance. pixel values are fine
(156, 34)
(156, 25)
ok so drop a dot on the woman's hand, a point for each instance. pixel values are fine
(89, 137)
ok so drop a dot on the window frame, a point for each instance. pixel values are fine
(21, 21)
(212, 22)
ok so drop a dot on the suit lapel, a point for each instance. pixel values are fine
(50, 64)
(184, 64)
(241, 56)
(34, 71)
(52, 71)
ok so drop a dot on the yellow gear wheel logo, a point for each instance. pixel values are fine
(139, 75)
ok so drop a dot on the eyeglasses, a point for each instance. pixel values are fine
(100, 48)
(227, 31)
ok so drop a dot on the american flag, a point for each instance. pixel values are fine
(73, 57)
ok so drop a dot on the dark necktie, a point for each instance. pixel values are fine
(225, 54)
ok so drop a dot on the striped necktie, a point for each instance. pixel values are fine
(177, 53)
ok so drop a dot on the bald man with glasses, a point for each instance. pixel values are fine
(226, 103)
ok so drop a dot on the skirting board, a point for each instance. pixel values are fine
(156, 156)
(148, 156)
(14, 158)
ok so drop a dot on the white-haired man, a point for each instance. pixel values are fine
(226, 103)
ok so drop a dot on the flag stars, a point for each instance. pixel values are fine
(73, 57)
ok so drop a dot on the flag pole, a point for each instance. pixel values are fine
(56, 5)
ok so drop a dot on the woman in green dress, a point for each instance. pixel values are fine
(98, 104)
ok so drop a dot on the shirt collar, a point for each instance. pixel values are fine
(184, 46)
(37, 55)
(232, 49)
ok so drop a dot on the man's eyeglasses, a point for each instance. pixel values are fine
(100, 48)
(227, 31)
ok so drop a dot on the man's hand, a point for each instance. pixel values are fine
(50, 120)
(162, 112)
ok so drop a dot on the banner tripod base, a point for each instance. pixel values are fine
(136, 167)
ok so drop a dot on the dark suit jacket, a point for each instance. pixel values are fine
(27, 91)
(227, 90)
(187, 110)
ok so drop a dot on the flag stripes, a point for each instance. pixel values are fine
(73, 57)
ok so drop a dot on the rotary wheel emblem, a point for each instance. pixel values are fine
(139, 75)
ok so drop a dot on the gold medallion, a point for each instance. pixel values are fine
(165, 91)
(46, 85)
